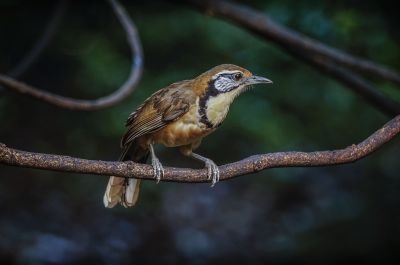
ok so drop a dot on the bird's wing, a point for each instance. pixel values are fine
(160, 109)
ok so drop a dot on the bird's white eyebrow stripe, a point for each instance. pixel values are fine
(225, 72)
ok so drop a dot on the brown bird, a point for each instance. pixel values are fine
(181, 114)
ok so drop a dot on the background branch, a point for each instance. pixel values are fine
(249, 165)
(259, 23)
(354, 82)
(317, 54)
(89, 105)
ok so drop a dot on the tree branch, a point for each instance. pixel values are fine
(318, 55)
(89, 105)
(264, 26)
(249, 165)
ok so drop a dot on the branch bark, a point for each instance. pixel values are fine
(318, 55)
(107, 101)
(249, 165)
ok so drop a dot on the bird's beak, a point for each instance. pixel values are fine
(252, 80)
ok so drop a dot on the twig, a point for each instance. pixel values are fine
(249, 165)
(263, 25)
(89, 105)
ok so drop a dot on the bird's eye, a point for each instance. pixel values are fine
(237, 76)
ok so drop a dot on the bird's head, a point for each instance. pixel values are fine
(219, 86)
(227, 78)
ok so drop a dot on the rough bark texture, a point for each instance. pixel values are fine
(249, 165)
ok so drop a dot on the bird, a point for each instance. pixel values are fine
(179, 115)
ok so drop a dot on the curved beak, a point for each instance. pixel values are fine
(252, 80)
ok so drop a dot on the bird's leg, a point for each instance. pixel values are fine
(157, 166)
(213, 171)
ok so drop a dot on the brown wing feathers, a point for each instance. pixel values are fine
(158, 110)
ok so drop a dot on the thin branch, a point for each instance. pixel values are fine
(263, 25)
(355, 83)
(320, 56)
(249, 165)
(89, 105)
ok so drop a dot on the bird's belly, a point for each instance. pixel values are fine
(180, 133)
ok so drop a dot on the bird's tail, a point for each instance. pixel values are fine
(125, 190)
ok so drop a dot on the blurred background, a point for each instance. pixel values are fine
(328, 215)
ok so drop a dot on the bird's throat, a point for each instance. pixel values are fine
(214, 108)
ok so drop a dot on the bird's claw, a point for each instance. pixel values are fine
(213, 172)
(158, 169)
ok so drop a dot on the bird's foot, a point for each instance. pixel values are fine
(158, 169)
(213, 172)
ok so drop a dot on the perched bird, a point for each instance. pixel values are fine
(181, 114)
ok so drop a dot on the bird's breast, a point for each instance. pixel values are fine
(186, 130)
